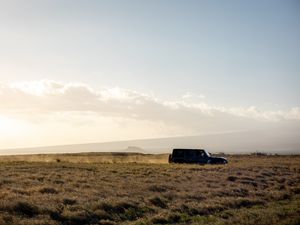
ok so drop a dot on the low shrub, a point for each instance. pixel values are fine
(159, 202)
(232, 178)
(158, 188)
(26, 209)
(48, 190)
(68, 201)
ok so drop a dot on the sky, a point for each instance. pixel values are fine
(94, 71)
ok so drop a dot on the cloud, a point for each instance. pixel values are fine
(50, 112)
(46, 96)
(189, 95)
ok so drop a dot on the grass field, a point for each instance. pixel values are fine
(114, 189)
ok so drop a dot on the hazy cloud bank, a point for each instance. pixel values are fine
(49, 113)
(51, 96)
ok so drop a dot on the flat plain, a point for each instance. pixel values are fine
(144, 189)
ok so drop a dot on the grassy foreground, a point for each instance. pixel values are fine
(249, 190)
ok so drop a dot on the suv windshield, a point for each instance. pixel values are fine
(207, 153)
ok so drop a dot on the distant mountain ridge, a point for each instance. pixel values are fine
(282, 142)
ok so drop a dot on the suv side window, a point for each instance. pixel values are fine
(179, 153)
(202, 154)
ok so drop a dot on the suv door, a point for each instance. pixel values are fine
(202, 157)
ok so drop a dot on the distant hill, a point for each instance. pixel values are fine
(281, 141)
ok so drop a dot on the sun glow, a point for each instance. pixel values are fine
(10, 126)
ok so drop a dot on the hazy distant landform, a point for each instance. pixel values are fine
(268, 141)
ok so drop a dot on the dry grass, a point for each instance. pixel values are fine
(103, 157)
(249, 190)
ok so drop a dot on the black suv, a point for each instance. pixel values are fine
(198, 156)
